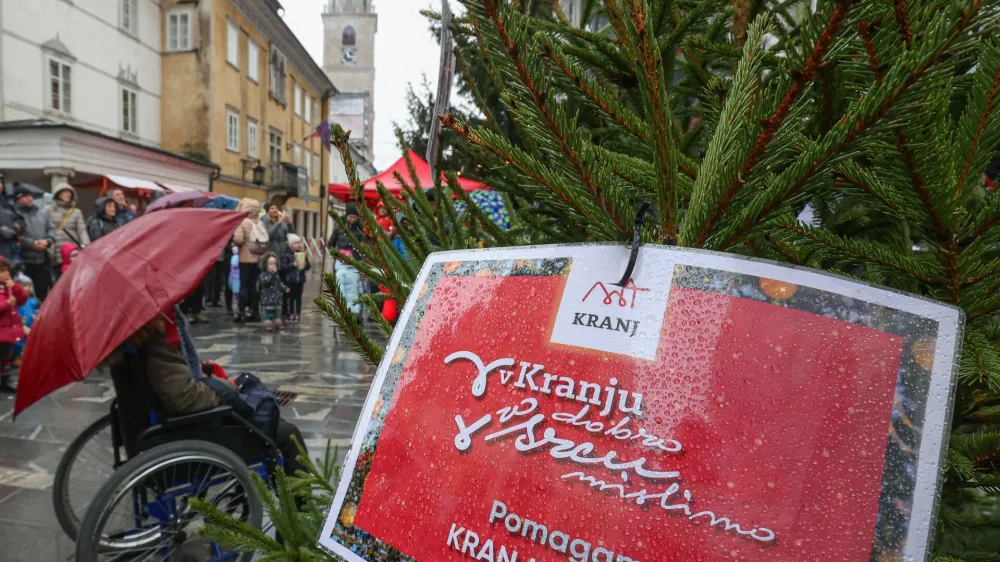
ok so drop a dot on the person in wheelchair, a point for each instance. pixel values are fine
(171, 379)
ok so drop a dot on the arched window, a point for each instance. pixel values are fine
(350, 37)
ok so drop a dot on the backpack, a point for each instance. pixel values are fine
(262, 402)
(259, 239)
(252, 401)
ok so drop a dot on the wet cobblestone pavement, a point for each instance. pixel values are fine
(329, 381)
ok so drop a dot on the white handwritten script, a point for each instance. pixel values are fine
(530, 436)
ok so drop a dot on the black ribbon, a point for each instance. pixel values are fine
(636, 242)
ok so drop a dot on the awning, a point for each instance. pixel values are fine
(133, 183)
(342, 191)
(176, 188)
(123, 181)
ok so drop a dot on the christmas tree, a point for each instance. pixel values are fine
(877, 118)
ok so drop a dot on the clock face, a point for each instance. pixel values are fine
(349, 55)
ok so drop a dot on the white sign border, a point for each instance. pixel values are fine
(950, 320)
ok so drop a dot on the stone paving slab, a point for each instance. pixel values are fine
(330, 380)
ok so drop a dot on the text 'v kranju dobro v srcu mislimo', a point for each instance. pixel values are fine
(623, 410)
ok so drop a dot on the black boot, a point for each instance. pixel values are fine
(239, 319)
(5, 386)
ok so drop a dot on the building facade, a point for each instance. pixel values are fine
(80, 81)
(349, 28)
(241, 91)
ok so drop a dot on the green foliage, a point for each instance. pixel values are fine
(731, 117)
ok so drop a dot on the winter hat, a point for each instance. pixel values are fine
(21, 190)
(293, 239)
(350, 209)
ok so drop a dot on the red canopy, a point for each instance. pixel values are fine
(342, 191)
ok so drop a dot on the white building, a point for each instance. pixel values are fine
(80, 94)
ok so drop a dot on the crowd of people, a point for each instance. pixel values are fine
(263, 268)
(37, 245)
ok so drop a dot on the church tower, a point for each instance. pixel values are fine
(349, 28)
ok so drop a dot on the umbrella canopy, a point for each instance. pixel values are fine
(222, 202)
(116, 286)
(342, 191)
(491, 203)
(195, 198)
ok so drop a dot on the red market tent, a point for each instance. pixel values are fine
(342, 191)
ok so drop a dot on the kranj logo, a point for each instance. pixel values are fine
(615, 297)
(598, 314)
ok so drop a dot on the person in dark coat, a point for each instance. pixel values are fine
(38, 236)
(294, 265)
(126, 210)
(339, 238)
(106, 219)
(11, 227)
(272, 292)
(279, 226)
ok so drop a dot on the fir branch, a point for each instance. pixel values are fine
(528, 80)
(598, 95)
(653, 87)
(332, 302)
(902, 16)
(730, 135)
(980, 362)
(536, 171)
(859, 120)
(770, 127)
(984, 104)
(864, 252)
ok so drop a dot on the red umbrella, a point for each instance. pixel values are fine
(116, 286)
(196, 198)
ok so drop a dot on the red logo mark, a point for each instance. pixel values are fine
(629, 287)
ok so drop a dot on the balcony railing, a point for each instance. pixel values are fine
(282, 176)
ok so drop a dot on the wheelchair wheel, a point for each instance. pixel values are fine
(143, 511)
(87, 464)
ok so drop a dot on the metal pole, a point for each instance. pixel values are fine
(443, 99)
(324, 205)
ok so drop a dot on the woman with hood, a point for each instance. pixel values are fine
(71, 228)
(105, 221)
(339, 239)
(249, 270)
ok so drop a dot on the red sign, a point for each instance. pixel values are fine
(758, 433)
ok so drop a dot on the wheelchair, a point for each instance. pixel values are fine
(123, 486)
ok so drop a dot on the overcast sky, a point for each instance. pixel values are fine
(404, 50)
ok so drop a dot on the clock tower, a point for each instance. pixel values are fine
(349, 28)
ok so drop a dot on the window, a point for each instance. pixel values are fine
(349, 38)
(60, 87)
(253, 62)
(298, 155)
(306, 160)
(274, 146)
(179, 31)
(278, 75)
(232, 130)
(307, 107)
(315, 166)
(298, 99)
(129, 12)
(251, 138)
(129, 113)
(232, 44)
(315, 105)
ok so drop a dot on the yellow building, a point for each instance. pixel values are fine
(240, 90)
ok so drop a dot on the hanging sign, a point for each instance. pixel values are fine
(714, 408)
